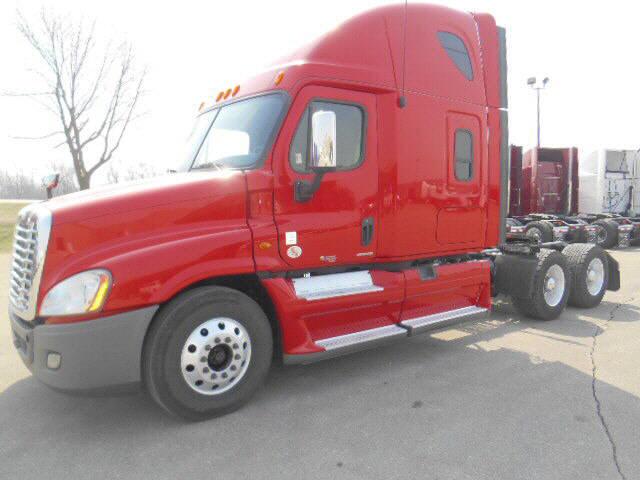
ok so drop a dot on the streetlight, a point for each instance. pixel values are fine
(537, 86)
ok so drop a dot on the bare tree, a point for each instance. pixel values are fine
(119, 173)
(19, 184)
(93, 92)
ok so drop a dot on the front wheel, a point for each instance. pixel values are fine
(207, 352)
(550, 287)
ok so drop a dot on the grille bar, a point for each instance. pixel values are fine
(29, 249)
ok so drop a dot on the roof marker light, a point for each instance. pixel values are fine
(279, 78)
(219, 97)
(201, 106)
(236, 89)
(227, 93)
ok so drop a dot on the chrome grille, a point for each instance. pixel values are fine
(29, 250)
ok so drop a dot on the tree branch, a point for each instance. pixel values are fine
(84, 99)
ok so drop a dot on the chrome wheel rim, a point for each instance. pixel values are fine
(215, 356)
(554, 283)
(535, 234)
(595, 276)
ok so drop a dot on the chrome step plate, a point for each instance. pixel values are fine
(442, 319)
(334, 285)
(366, 337)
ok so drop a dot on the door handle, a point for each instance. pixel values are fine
(367, 231)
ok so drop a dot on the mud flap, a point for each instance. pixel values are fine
(614, 274)
(514, 275)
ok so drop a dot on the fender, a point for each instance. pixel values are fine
(170, 267)
(156, 251)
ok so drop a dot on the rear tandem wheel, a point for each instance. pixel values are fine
(550, 287)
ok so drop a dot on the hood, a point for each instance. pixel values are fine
(142, 194)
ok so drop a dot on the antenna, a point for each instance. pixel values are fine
(402, 101)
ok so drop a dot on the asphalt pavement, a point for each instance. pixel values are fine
(504, 398)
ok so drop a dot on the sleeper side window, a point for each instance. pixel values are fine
(463, 154)
(350, 126)
(458, 53)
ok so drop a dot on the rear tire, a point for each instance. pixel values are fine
(540, 231)
(607, 236)
(551, 286)
(206, 353)
(589, 272)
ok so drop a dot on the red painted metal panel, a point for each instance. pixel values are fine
(303, 322)
(455, 286)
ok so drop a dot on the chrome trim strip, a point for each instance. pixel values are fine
(24, 302)
(334, 285)
(429, 322)
(363, 337)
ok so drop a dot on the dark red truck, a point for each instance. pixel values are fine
(353, 195)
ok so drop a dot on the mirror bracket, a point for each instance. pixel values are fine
(50, 182)
(304, 191)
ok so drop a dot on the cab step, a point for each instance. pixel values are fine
(357, 341)
(442, 319)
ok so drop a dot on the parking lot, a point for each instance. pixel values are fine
(504, 398)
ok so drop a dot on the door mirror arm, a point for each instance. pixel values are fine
(304, 191)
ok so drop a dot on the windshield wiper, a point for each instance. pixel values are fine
(207, 165)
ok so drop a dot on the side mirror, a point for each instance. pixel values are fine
(323, 140)
(322, 155)
(50, 182)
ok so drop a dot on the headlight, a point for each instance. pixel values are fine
(82, 293)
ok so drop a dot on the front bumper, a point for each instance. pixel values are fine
(100, 354)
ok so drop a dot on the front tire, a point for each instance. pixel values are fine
(590, 274)
(206, 353)
(550, 287)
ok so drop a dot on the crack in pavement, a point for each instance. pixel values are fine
(594, 370)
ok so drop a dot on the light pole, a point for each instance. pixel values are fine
(538, 86)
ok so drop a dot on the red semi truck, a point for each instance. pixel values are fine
(352, 195)
(543, 201)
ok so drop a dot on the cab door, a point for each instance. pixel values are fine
(463, 211)
(336, 224)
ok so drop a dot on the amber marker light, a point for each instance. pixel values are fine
(279, 78)
(236, 89)
(101, 295)
(227, 93)
(201, 106)
(264, 245)
(219, 97)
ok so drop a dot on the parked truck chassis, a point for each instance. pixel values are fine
(544, 198)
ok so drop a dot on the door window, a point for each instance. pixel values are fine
(350, 126)
(463, 155)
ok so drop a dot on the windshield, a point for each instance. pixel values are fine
(236, 135)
